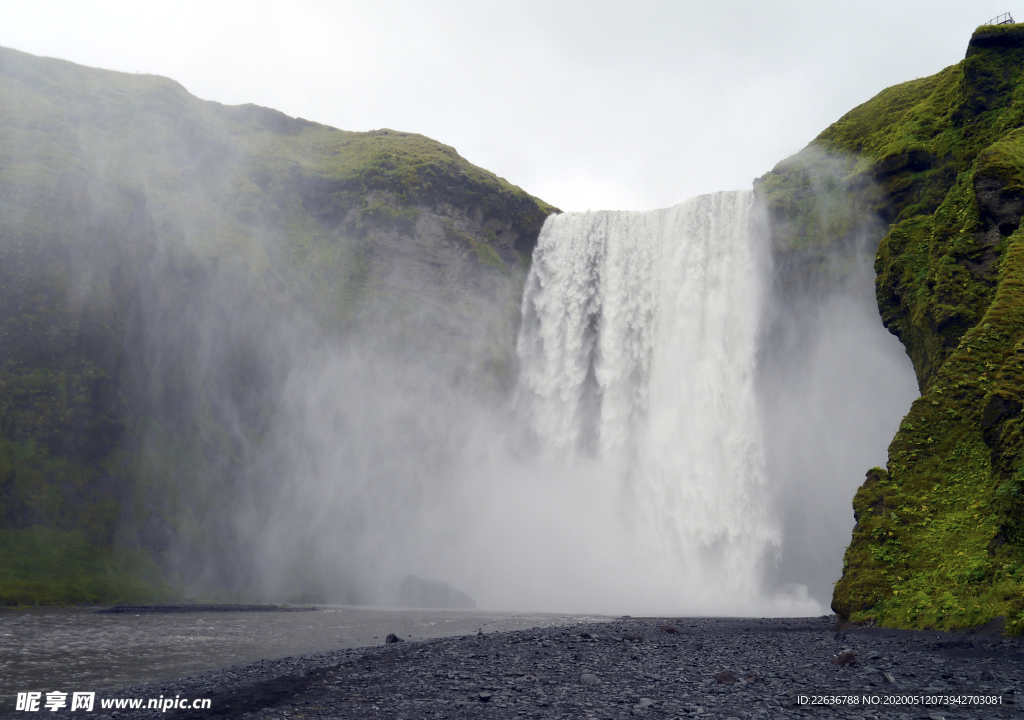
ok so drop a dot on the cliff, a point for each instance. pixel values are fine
(161, 257)
(933, 171)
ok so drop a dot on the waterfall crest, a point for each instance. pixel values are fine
(637, 348)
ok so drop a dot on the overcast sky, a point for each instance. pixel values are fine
(588, 105)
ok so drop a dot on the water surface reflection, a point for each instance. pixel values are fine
(77, 649)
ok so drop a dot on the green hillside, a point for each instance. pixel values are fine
(148, 241)
(935, 169)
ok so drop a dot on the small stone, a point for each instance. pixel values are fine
(725, 677)
(845, 658)
(485, 697)
(668, 629)
(889, 679)
(590, 679)
(392, 638)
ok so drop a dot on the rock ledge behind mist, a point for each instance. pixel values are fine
(414, 592)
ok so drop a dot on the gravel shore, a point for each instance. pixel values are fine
(630, 667)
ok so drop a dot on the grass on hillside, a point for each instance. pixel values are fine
(940, 536)
(41, 566)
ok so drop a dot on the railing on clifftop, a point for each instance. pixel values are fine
(1004, 19)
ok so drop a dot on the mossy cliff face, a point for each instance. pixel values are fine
(935, 169)
(152, 245)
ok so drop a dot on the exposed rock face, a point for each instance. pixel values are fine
(1001, 205)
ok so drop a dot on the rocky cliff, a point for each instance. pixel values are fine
(933, 171)
(161, 259)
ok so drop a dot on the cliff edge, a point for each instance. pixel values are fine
(933, 168)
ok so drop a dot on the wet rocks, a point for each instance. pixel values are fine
(643, 704)
(847, 657)
(774, 667)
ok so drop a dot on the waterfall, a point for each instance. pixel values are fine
(637, 351)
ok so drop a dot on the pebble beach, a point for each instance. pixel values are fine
(707, 668)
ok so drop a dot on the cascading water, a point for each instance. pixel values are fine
(637, 347)
(695, 435)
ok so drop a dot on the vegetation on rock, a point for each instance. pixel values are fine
(148, 240)
(934, 168)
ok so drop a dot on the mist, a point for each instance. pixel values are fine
(305, 392)
(352, 458)
(833, 383)
(389, 454)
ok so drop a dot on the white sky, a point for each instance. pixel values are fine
(621, 105)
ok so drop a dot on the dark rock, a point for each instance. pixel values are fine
(906, 161)
(668, 628)
(774, 655)
(414, 592)
(1000, 203)
(392, 638)
(995, 37)
(998, 408)
(844, 658)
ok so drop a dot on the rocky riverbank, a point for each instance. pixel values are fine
(650, 667)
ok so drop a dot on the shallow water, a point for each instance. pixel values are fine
(76, 649)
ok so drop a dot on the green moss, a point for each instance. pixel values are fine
(483, 252)
(40, 566)
(938, 540)
(332, 271)
(934, 279)
(126, 203)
